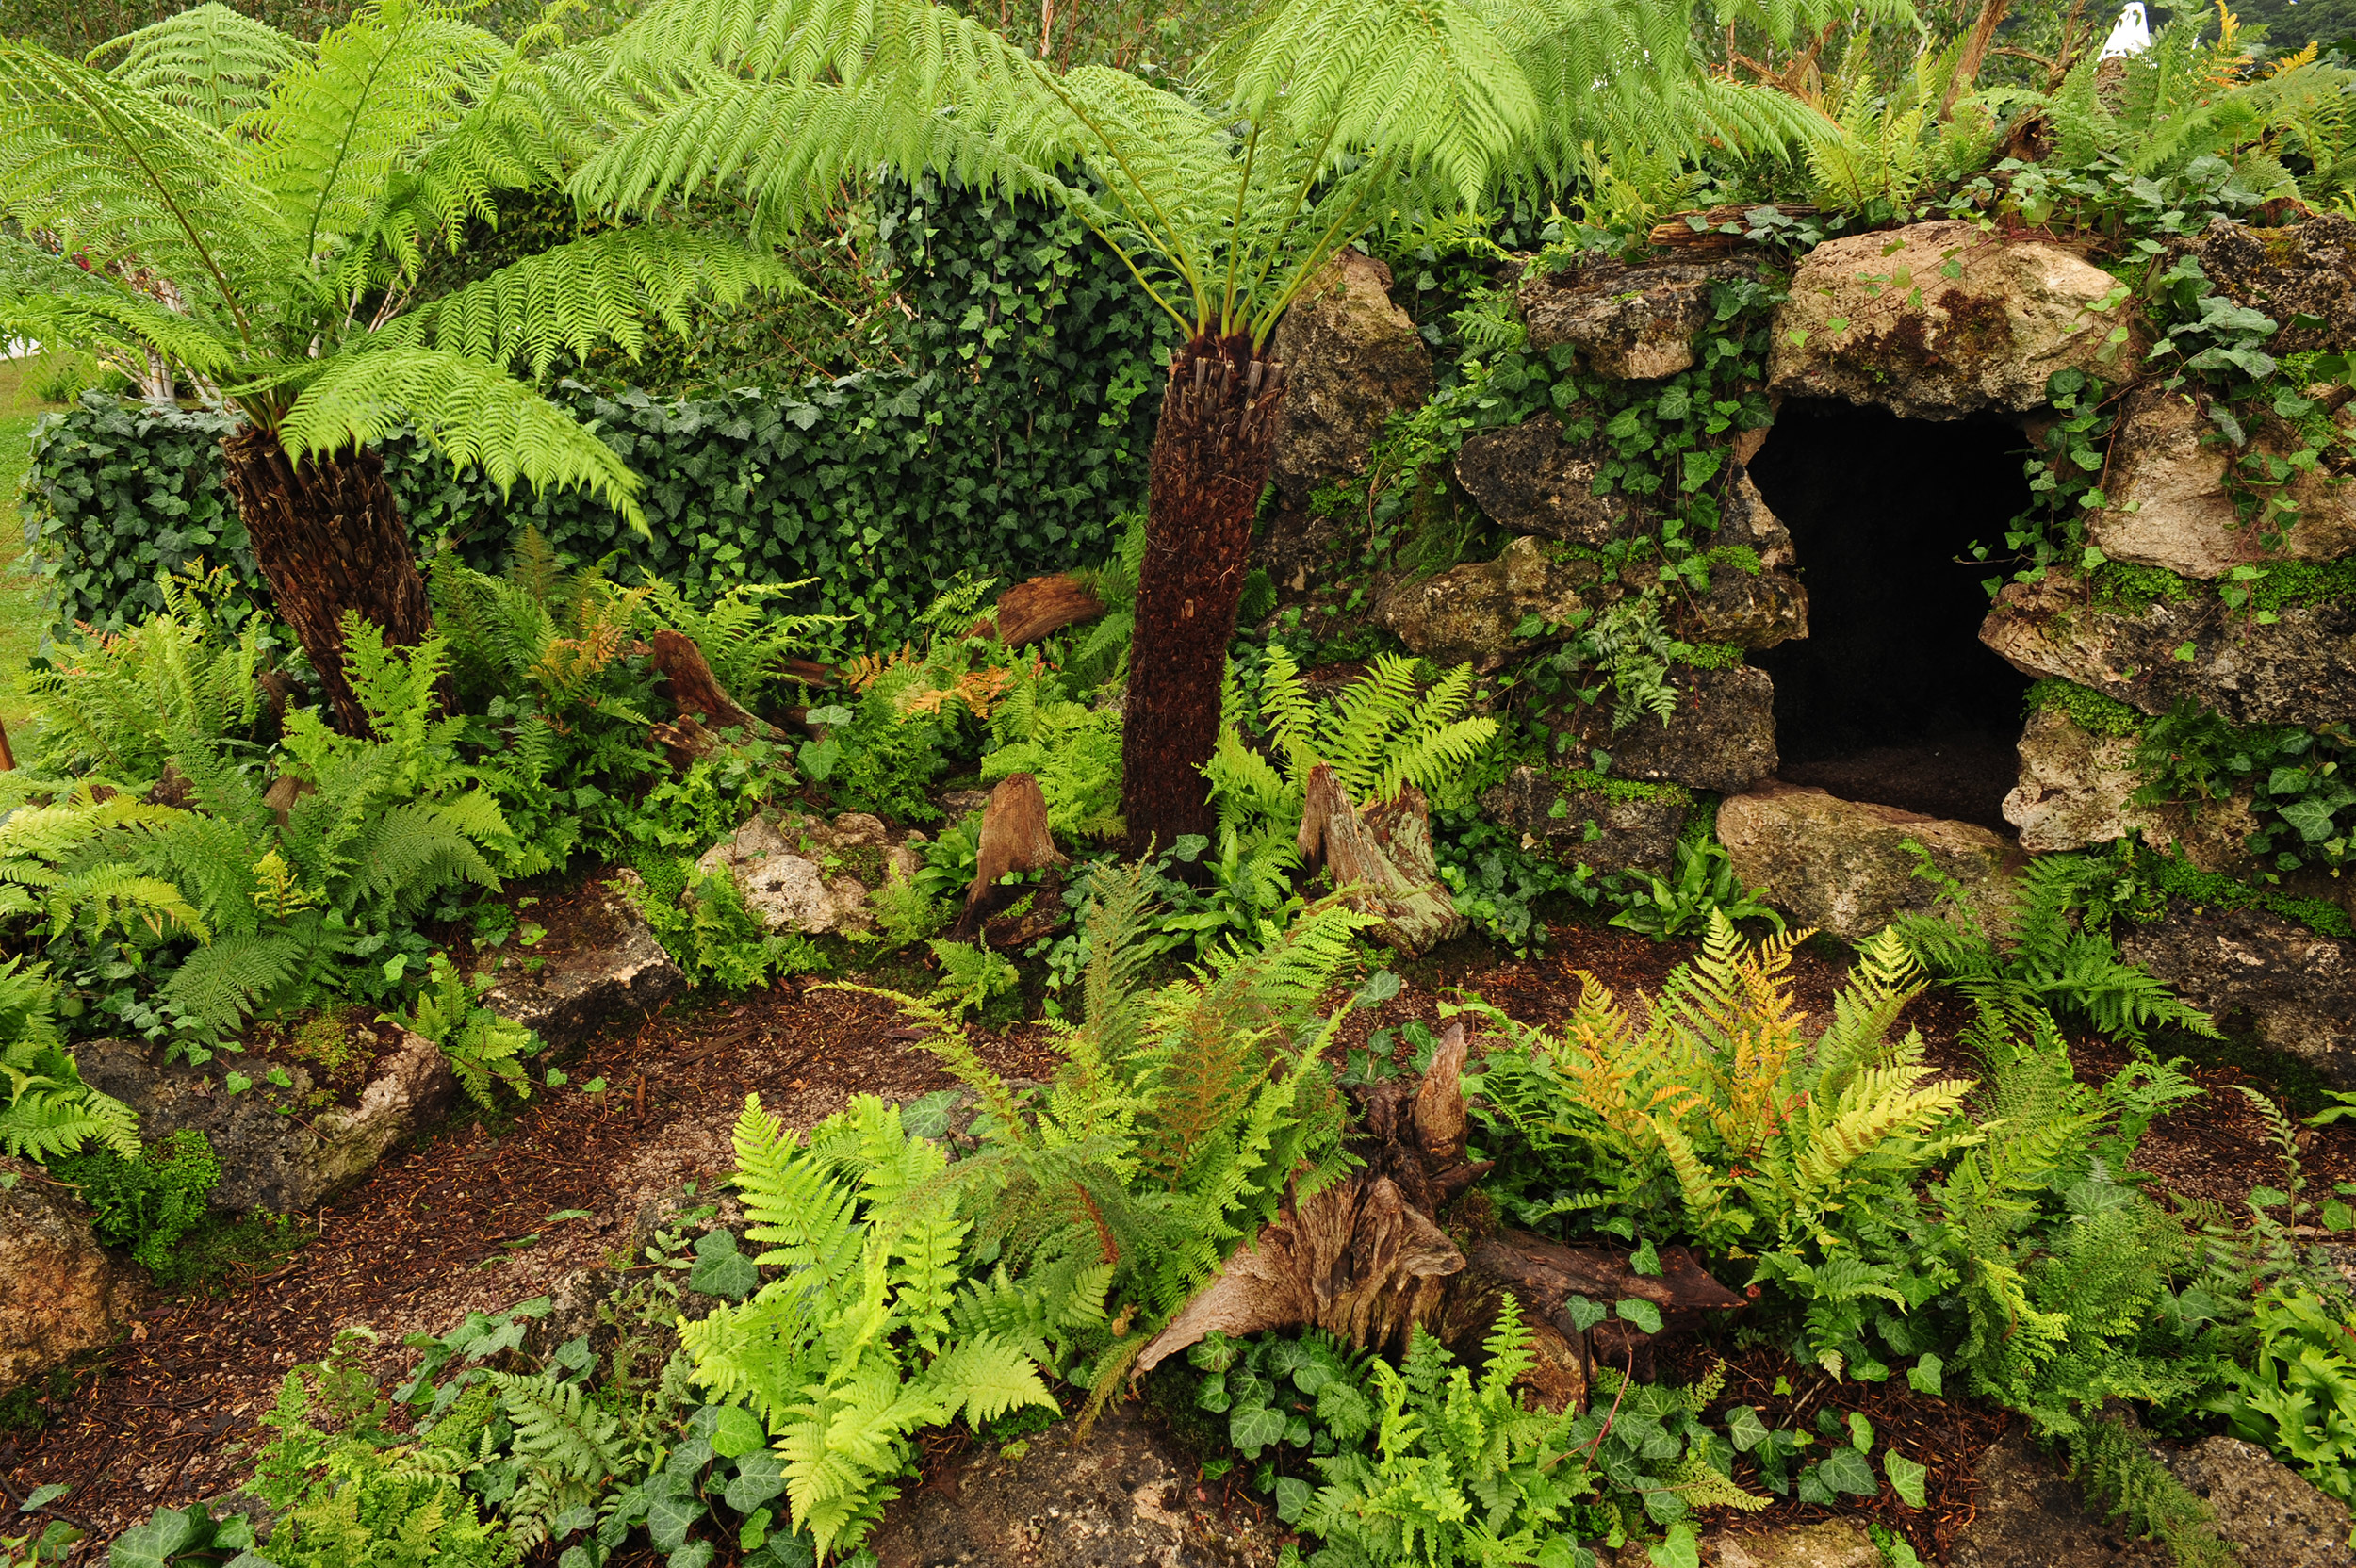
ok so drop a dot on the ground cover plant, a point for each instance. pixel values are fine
(256, 800)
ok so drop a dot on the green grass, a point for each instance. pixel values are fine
(21, 613)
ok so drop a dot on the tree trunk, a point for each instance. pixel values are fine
(1211, 455)
(1975, 52)
(329, 538)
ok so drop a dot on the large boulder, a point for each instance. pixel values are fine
(2170, 506)
(1122, 1497)
(1722, 735)
(2298, 669)
(1629, 323)
(2028, 1516)
(271, 1157)
(2077, 791)
(1848, 867)
(1604, 830)
(806, 874)
(1753, 599)
(1352, 358)
(601, 963)
(2303, 276)
(2296, 986)
(1529, 480)
(1833, 1543)
(2272, 1516)
(1486, 612)
(61, 1294)
(1937, 321)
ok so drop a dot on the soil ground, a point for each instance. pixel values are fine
(465, 1220)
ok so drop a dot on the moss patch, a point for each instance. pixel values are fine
(2089, 709)
(2126, 590)
(1621, 791)
(2293, 584)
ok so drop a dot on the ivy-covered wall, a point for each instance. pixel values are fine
(1013, 433)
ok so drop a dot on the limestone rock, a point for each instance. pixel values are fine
(2271, 1514)
(61, 1294)
(612, 966)
(1351, 358)
(2296, 988)
(1938, 320)
(1123, 1498)
(282, 1164)
(2170, 507)
(2076, 790)
(1628, 831)
(2030, 1517)
(810, 875)
(1529, 480)
(1722, 736)
(1629, 323)
(1834, 1543)
(1750, 609)
(1474, 611)
(2300, 669)
(2307, 269)
(1843, 866)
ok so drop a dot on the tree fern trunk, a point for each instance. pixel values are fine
(329, 538)
(1211, 455)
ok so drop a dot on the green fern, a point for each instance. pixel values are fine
(852, 1351)
(209, 60)
(45, 1108)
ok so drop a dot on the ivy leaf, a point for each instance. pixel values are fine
(1645, 1259)
(759, 1477)
(736, 1432)
(720, 1270)
(1253, 1428)
(693, 1554)
(152, 1544)
(1680, 1550)
(1846, 1470)
(669, 1516)
(1927, 1375)
(1744, 1429)
(1642, 1314)
(1861, 1433)
(1905, 1476)
(928, 1116)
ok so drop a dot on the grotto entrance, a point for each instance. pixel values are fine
(1891, 697)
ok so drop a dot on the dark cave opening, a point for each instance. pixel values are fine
(1891, 697)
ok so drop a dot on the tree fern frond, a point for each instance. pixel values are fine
(209, 60)
(472, 412)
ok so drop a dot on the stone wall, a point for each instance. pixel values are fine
(1934, 321)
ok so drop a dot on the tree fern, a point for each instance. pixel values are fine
(265, 243)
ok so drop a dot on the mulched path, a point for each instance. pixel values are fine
(462, 1222)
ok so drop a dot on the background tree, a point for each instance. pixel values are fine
(1310, 123)
(264, 246)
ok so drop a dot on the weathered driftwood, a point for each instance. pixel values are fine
(1042, 605)
(1373, 1256)
(1014, 839)
(1676, 233)
(1385, 852)
(683, 740)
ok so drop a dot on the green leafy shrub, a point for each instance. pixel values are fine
(702, 920)
(1071, 749)
(45, 1108)
(148, 1202)
(483, 1049)
(2298, 1396)
(1705, 888)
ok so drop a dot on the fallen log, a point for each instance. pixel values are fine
(1041, 606)
(1375, 1256)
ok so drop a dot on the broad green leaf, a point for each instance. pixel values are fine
(1847, 1470)
(1645, 1315)
(736, 1431)
(1905, 1477)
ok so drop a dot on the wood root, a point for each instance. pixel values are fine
(1014, 839)
(1384, 853)
(1041, 606)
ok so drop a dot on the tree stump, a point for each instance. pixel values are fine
(691, 686)
(1014, 839)
(1385, 852)
(1371, 1258)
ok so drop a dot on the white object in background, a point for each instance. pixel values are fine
(2133, 35)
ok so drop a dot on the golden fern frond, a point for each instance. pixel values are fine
(1881, 1103)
